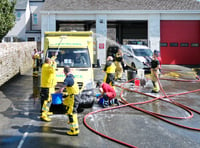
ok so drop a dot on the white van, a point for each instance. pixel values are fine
(137, 56)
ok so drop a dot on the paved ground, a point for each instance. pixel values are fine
(20, 126)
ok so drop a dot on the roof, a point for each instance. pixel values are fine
(21, 4)
(67, 5)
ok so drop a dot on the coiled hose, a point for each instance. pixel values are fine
(159, 116)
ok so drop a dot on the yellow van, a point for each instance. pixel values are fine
(70, 47)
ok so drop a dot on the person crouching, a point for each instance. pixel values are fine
(107, 94)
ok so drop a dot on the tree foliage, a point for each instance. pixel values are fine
(7, 16)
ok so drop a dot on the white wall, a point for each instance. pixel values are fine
(153, 17)
(101, 36)
(154, 31)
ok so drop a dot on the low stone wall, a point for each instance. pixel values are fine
(15, 58)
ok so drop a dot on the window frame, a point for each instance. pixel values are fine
(184, 44)
(194, 44)
(173, 44)
(163, 44)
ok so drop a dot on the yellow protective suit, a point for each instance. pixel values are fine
(72, 102)
(118, 63)
(48, 82)
(110, 73)
(154, 74)
(36, 64)
(154, 78)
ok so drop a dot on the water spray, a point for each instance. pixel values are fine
(62, 37)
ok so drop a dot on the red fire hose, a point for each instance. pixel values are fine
(159, 116)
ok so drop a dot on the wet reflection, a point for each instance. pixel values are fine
(156, 107)
(36, 88)
(46, 128)
(180, 74)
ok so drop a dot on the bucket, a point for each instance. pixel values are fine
(140, 73)
(101, 100)
(97, 95)
(131, 75)
(137, 82)
(56, 98)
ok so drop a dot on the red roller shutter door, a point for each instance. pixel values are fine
(180, 33)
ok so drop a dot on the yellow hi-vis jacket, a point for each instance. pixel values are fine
(73, 89)
(36, 56)
(110, 67)
(48, 74)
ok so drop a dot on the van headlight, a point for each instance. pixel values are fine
(88, 88)
(89, 85)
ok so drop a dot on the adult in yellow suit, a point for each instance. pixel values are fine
(48, 83)
(155, 65)
(110, 71)
(71, 101)
(36, 62)
(118, 63)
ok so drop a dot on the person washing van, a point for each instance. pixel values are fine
(110, 71)
(118, 63)
(71, 101)
(155, 65)
(48, 83)
(157, 54)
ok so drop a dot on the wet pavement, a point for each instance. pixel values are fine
(20, 126)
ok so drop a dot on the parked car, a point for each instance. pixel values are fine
(137, 57)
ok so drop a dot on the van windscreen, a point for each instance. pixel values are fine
(73, 57)
(143, 52)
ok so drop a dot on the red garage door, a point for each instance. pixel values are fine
(180, 42)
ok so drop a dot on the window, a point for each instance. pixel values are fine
(163, 44)
(18, 15)
(75, 58)
(7, 39)
(184, 44)
(173, 44)
(143, 52)
(35, 19)
(31, 39)
(194, 44)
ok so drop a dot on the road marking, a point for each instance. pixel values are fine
(24, 136)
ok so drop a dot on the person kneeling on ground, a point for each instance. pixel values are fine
(108, 94)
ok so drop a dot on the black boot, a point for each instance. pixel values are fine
(117, 102)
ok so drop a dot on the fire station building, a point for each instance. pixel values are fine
(171, 26)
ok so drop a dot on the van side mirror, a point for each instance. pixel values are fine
(97, 65)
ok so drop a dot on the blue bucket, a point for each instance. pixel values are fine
(56, 98)
(97, 95)
(101, 100)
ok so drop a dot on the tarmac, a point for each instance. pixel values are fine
(162, 123)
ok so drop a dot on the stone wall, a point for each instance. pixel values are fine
(15, 58)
